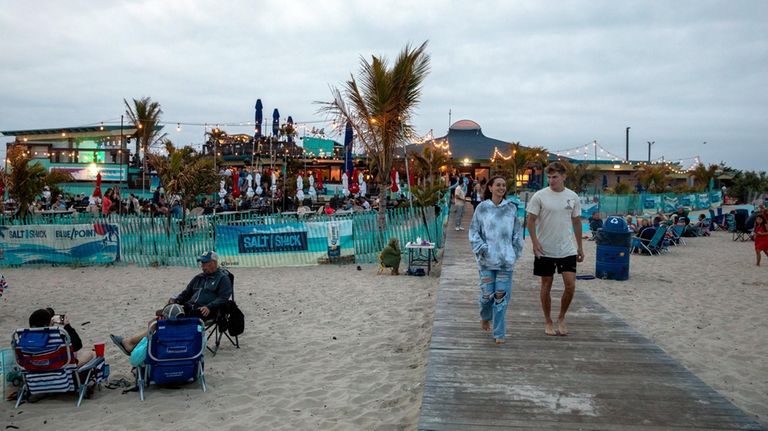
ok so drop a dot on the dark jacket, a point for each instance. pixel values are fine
(390, 256)
(77, 343)
(207, 290)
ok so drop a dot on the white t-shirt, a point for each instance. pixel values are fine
(459, 196)
(554, 227)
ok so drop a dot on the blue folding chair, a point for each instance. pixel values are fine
(48, 364)
(174, 354)
(652, 246)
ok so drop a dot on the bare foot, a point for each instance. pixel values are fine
(549, 329)
(499, 341)
(561, 329)
(486, 325)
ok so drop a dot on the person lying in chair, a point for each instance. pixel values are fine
(135, 346)
(207, 291)
(46, 317)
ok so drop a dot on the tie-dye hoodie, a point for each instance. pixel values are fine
(496, 235)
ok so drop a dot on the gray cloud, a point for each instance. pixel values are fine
(546, 73)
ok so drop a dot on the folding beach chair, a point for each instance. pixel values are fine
(174, 354)
(740, 230)
(676, 234)
(655, 245)
(48, 364)
(218, 328)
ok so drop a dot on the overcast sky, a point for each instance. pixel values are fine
(557, 74)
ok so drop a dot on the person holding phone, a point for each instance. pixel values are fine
(46, 317)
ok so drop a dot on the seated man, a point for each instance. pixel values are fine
(201, 298)
(390, 256)
(207, 291)
(595, 223)
(46, 317)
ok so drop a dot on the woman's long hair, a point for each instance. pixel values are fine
(488, 194)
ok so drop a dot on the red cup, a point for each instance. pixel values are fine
(99, 349)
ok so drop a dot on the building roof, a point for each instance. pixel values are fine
(466, 141)
(81, 131)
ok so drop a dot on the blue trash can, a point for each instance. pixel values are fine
(614, 242)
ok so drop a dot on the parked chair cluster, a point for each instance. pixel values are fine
(174, 354)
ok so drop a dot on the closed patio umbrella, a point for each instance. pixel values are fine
(275, 122)
(258, 119)
(97, 190)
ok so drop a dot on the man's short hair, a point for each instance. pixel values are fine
(555, 167)
(208, 256)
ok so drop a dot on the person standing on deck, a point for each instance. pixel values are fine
(554, 222)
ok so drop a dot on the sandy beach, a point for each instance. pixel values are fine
(704, 303)
(331, 347)
(325, 347)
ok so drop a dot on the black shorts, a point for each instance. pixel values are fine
(545, 266)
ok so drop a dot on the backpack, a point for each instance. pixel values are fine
(235, 319)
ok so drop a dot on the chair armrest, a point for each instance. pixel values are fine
(93, 363)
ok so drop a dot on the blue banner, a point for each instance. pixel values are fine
(59, 244)
(287, 244)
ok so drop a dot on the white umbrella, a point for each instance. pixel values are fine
(344, 184)
(259, 190)
(363, 188)
(300, 188)
(249, 192)
(312, 192)
(273, 187)
(222, 191)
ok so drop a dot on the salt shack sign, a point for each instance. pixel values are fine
(272, 242)
(288, 244)
(59, 244)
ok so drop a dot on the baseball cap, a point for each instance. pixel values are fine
(208, 256)
(173, 311)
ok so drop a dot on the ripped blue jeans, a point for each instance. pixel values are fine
(495, 293)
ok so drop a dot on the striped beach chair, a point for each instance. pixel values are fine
(48, 364)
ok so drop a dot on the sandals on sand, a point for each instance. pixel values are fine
(119, 343)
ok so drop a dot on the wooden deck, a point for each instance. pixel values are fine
(604, 376)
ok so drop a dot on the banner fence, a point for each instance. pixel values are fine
(244, 238)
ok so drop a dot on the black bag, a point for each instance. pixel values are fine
(235, 319)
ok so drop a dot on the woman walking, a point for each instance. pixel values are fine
(497, 242)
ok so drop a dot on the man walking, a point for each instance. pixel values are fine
(458, 205)
(554, 223)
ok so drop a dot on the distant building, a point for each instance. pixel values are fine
(81, 151)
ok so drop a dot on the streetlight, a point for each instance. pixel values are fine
(628, 144)
(650, 143)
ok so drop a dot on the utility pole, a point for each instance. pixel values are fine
(649, 150)
(628, 144)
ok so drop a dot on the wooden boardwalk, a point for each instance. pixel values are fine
(604, 376)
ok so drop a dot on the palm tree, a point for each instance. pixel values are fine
(578, 176)
(427, 164)
(379, 104)
(702, 175)
(145, 115)
(654, 178)
(184, 172)
(25, 181)
(520, 159)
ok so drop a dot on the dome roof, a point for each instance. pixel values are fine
(465, 125)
